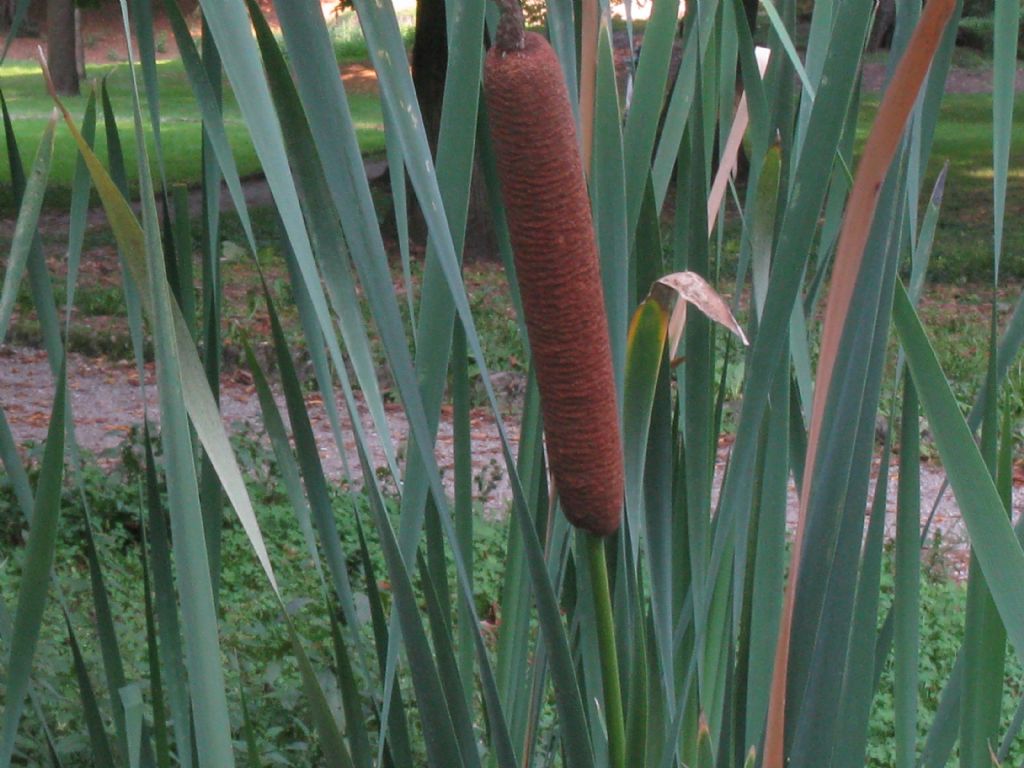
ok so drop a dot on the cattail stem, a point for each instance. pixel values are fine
(511, 33)
(598, 567)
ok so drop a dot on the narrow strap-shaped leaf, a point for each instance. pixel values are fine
(25, 227)
(568, 701)
(400, 206)
(312, 469)
(131, 701)
(81, 184)
(586, 643)
(397, 743)
(753, 86)
(330, 246)
(286, 462)
(762, 225)
(793, 244)
(444, 657)
(697, 404)
(210, 491)
(335, 751)
(1004, 58)
(442, 746)
(779, 27)
(638, 685)
(115, 158)
(907, 581)
(515, 641)
(252, 749)
(198, 397)
(195, 587)
(561, 28)
(882, 146)
(215, 138)
(1004, 484)
(645, 346)
(161, 737)
(819, 37)
(984, 634)
(608, 199)
(858, 684)
(768, 555)
(181, 234)
(16, 474)
(172, 656)
(351, 697)
(648, 96)
(35, 577)
(98, 742)
(696, 38)
(113, 665)
(40, 285)
(142, 17)
(463, 503)
(994, 542)
(322, 352)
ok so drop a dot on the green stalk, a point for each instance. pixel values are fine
(598, 568)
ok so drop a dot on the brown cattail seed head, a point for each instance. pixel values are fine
(559, 277)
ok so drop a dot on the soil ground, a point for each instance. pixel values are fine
(108, 403)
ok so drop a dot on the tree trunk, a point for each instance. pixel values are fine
(79, 45)
(60, 46)
(429, 68)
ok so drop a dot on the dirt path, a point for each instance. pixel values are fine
(959, 80)
(108, 402)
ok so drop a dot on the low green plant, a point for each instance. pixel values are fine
(349, 43)
(180, 133)
(252, 633)
(976, 32)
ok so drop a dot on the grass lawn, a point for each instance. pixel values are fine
(963, 247)
(180, 127)
(963, 242)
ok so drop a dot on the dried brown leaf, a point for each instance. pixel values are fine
(684, 288)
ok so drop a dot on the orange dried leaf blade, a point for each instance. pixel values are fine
(883, 141)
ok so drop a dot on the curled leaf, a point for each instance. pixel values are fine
(683, 288)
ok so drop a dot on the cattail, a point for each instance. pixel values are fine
(552, 235)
